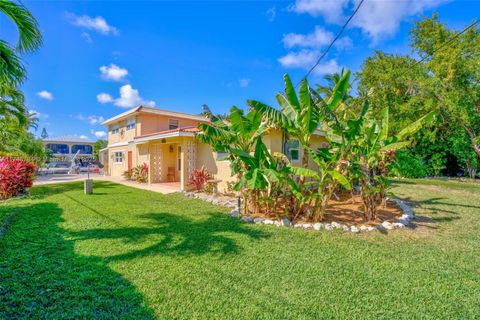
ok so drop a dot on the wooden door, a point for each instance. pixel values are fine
(129, 159)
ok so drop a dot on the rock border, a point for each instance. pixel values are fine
(404, 221)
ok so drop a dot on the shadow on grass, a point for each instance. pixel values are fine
(41, 276)
(179, 235)
(438, 208)
(42, 191)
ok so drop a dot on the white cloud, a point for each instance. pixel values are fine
(331, 66)
(318, 38)
(376, 18)
(93, 120)
(243, 82)
(301, 59)
(86, 36)
(104, 98)
(129, 98)
(381, 19)
(305, 59)
(100, 134)
(44, 94)
(331, 10)
(113, 72)
(271, 13)
(98, 24)
(83, 137)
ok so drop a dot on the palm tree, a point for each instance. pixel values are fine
(29, 39)
(12, 105)
(343, 109)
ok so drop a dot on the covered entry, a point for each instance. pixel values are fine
(171, 155)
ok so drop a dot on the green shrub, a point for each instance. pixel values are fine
(411, 165)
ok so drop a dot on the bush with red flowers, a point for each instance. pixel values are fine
(16, 176)
(198, 178)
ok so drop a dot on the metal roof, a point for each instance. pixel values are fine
(73, 139)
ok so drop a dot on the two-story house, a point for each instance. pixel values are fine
(166, 141)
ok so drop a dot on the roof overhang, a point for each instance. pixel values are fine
(141, 140)
(155, 111)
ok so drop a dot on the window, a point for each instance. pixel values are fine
(292, 150)
(83, 148)
(172, 124)
(115, 129)
(131, 124)
(118, 157)
(222, 156)
(58, 148)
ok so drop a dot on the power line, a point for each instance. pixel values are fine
(440, 47)
(334, 40)
(455, 37)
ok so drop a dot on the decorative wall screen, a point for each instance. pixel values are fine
(156, 163)
(190, 149)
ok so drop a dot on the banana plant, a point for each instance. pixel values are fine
(298, 115)
(373, 154)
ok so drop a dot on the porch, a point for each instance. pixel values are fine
(170, 157)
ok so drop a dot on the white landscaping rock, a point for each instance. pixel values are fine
(363, 228)
(318, 226)
(258, 220)
(387, 225)
(345, 228)
(328, 227)
(247, 219)
(336, 225)
(307, 226)
(354, 229)
(285, 222)
(268, 221)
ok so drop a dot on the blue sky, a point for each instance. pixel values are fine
(100, 58)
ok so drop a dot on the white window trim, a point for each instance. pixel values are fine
(221, 155)
(130, 123)
(115, 157)
(298, 149)
(115, 128)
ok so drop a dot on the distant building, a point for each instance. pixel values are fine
(65, 147)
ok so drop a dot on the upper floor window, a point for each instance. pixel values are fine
(292, 150)
(58, 148)
(172, 124)
(115, 129)
(83, 148)
(131, 124)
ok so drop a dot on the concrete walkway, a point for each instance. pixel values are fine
(164, 188)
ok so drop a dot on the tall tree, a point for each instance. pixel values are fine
(452, 60)
(44, 134)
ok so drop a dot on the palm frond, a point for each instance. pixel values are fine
(30, 38)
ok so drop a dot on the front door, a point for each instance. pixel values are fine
(129, 159)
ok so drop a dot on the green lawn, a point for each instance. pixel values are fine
(132, 254)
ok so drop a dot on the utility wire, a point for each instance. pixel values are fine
(333, 41)
(455, 37)
(440, 47)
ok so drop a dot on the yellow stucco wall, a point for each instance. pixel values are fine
(150, 123)
(220, 169)
(116, 169)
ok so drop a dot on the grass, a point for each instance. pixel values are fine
(133, 254)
